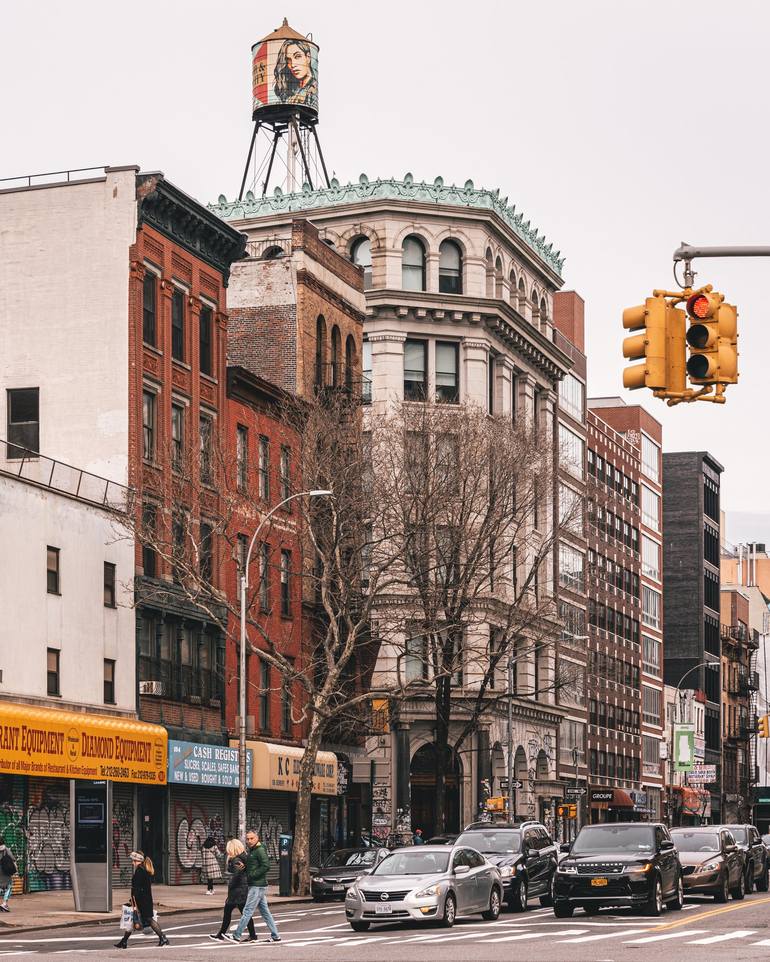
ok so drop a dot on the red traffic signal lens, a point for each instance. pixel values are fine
(698, 306)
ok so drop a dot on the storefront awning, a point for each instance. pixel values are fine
(276, 768)
(694, 801)
(610, 798)
(50, 743)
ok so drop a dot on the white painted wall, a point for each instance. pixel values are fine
(64, 271)
(76, 621)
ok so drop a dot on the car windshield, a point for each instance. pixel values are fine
(351, 856)
(766, 839)
(696, 841)
(413, 863)
(614, 838)
(740, 835)
(491, 842)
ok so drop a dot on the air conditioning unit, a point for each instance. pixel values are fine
(151, 688)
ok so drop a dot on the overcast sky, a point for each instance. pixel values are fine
(619, 128)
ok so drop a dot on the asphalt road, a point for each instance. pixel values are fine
(703, 930)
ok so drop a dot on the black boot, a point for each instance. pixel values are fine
(163, 941)
(123, 944)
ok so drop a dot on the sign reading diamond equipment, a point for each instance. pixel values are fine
(193, 763)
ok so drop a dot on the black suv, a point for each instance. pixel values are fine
(620, 863)
(757, 861)
(525, 854)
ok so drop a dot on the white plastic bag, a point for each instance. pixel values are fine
(127, 918)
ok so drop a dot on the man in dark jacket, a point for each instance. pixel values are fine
(257, 867)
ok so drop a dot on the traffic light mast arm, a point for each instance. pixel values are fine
(688, 253)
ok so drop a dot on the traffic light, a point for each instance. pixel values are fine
(649, 346)
(703, 337)
(763, 726)
(566, 811)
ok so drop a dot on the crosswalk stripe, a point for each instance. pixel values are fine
(603, 935)
(762, 942)
(667, 935)
(738, 934)
(531, 935)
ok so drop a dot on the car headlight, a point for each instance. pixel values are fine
(351, 893)
(506, 871)
(567, 869)
(637, 869)
(430, 891)
(712, 866)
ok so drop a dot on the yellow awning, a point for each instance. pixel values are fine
(67, 744)
(276, 768)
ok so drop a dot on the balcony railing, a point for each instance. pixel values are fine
(269, 248)
(196, 686)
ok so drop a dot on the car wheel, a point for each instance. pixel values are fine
(519, 900)
(493, 912)
(360, 926)
(750, 878)
(763, 882)
(740, 889)
(563, 910)
(450, 911)
(677, 901)
(547, 900)
(591, 909)
(655, 904)
(724, 890)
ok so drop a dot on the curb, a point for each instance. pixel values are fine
(7, 930)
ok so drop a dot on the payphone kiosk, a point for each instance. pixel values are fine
(90, 837)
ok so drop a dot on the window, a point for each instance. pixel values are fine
(286, 706)
(242, 456)
(264, 468)
(264, 695)
(711, 499)
(711, 545)
(650, 607)
(286, 583)
(412, 264)
(23, 423)
(415, 370)
(496, 656)
(109, 585)
(206, 552)
(149, 301)
(650, 558)
(570, 509)
(491, 383)
(350, 361)
(52, 573)
(711, 590)
(148, 425)
(650, 508)
(651, 655)
(570, 567)
(264, 576)
(149, 530)
(651, 705)
(447, 373)
(650, 458)
(366, 372)
(204, 340)
(177, 544)
(177, 436)
(53, 672)
(571, 451)
(109, 681)
(320, 351)
(573, 623)
(455, 661)
(285, 474)
(361, 255)
(206, 432)
(415, 660)
(336, 356)
(450, 268)
(177, 325)
(571, 396)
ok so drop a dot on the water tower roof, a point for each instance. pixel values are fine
(284, 32)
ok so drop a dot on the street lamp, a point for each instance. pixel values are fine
(242, 672)
(702, 664)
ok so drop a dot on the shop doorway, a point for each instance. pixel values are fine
(422, 782)
(152, 820)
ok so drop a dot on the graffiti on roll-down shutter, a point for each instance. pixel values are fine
(122, 832)
(48, 834)
(12, 826)
(195, 815)
(267, 813)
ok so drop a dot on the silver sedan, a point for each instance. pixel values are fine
(425, 883)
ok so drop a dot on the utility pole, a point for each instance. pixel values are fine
(511, 789)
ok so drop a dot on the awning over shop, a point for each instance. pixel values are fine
(693, 801)
(610, 798)
(276, 768)
(50, 743)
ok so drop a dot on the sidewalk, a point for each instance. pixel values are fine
(50, 910)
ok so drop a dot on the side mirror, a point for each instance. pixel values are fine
(667, 845)
(462, 869)
(565, 848)
(533, 852)
(314, 870)
(731, 848)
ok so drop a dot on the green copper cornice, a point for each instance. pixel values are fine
(407, 189)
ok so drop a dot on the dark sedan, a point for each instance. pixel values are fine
(757, 859)
(341, 869)
(712, 864)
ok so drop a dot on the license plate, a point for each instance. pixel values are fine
(383, 909)
(598, 882)
(338, 888)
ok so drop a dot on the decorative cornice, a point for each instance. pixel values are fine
(391, 189)
(184, 221)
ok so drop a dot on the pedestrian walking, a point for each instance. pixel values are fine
(212, 870)
(417, 838)
(237, 889)
(257, 867)
(7, 871)
(141, 899)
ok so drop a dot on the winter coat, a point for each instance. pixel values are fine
(5, 879)
(237, 883)
(141, 892)
(212, 870)
(257, 865)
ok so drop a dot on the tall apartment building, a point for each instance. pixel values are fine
(691, 603)
(628, 574)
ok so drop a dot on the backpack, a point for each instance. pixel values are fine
(7, 864)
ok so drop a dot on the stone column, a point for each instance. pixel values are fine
(483, 768)
(503, 381)
(387, 366)
(475, 356)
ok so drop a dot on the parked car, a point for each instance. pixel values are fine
(757, 859)
(341, 869)
(766, 841)
(620, 863)
(425, 883)
(712, 863)
(442, 840)
(526, 858)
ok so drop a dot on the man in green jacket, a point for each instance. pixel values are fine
(257, 867)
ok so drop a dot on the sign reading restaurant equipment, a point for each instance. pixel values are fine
(60, 744)
(192, 763)
(276, 768)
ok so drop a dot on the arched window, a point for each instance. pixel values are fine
(490, 288)
(535, 308)
(512, 289)
(450, 268)
(350, 361)
(336, 356)
(522, 296)
(361, 255)
(498, 278)
(273, 253)
(543, 313)
(412, 264)
(320, 350)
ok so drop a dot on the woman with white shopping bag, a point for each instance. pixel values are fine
(141, 901)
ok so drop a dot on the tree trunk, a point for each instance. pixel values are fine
(300, 860)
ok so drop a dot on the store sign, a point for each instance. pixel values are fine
(215, 766)
(702, 775)
(59, 744)
(276, 768)
(684, 747)
(601, 795)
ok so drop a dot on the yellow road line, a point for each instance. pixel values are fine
(690, 919)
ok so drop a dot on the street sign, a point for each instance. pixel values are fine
(575, 792)
(516, 784)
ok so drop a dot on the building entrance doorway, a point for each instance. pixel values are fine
(422, 782)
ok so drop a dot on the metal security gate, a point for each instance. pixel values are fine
(268, 813)
(195, 813)
(123, 824)
(48, 835)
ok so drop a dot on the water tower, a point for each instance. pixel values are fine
(284, 80)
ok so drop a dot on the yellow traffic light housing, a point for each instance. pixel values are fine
(649, 346)
(763, 726)
(728, 344)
